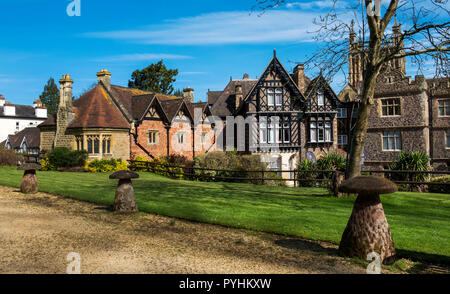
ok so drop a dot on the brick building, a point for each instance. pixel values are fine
(115, 122)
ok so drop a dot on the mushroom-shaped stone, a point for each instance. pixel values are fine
(125, 201)
(367, 230)
(29, 183)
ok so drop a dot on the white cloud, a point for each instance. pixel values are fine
(312, 4)
(140, 57)
(222, 28)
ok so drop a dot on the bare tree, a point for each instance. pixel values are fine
(425, 34)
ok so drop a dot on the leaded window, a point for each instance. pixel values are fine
(392, 141)
(342, 113)
(320, 131)
(444, 107)
(270, 97)
(447, 136)
(391, 107)
(106, 145)
(320, 99)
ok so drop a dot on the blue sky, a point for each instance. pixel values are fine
(208, 41)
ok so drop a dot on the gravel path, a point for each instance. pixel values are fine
(38, 231)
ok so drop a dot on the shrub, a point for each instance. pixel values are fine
(46, 165)
(62, 157)
(307, 171)
(440, 188)
(9, 157)
(142, 165)
(413, 161)
(106, 165)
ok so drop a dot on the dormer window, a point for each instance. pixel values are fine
(320, 99)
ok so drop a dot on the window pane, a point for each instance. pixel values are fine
(104, 146)
(320, 99)
(287, 138)
(313, 134)
(89, 142)
(448, 139)
(96, 146)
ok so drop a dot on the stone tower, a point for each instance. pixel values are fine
(65, 114)
(356, 55)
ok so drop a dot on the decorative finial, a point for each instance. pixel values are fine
(395, 16)
(274, 52)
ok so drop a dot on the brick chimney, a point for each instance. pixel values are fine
(299, 77)
(188, 94)
(239, 95)
(246, 76)
(104, 77)
(65, 113)
(2, 100)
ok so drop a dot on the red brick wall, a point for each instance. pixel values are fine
(157, 150)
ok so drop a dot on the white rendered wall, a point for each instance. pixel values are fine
(8, 125)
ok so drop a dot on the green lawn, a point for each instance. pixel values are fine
(420, 223)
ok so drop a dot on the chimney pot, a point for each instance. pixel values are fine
(246, 76)
(188, 94)
(239, 95)
(104, 77)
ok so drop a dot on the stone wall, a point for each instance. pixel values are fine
(47, 139)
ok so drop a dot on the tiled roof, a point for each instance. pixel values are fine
(95, 109)
(50, 121)
(32, 135)
(140, 104)
(171, 107)
(226, 102)
(213, 96)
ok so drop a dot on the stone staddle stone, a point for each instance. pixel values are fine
(125, 200)
(29, 183)
(367, 230)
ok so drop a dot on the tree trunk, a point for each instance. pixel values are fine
(368, 231)
(359, 134)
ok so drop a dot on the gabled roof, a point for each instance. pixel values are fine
(349, 94)
(141, 106)
(226, 102)
(201, 105)
(30, 135)
(320, 83)
(95, 109)
(173, 106)
(275, 64)
(213, 96)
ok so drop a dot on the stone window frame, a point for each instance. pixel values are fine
(156, 137)
(380, 108)
(444, 106)
(382, 136)
(106, 141)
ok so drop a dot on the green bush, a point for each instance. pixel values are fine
(106, 165)
(9, 157)
(62, 157)
(440, 188)
(223, 165)
(311, 172)
(410, 161)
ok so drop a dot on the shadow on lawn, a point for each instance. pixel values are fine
(424, 257)
(304, 245)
